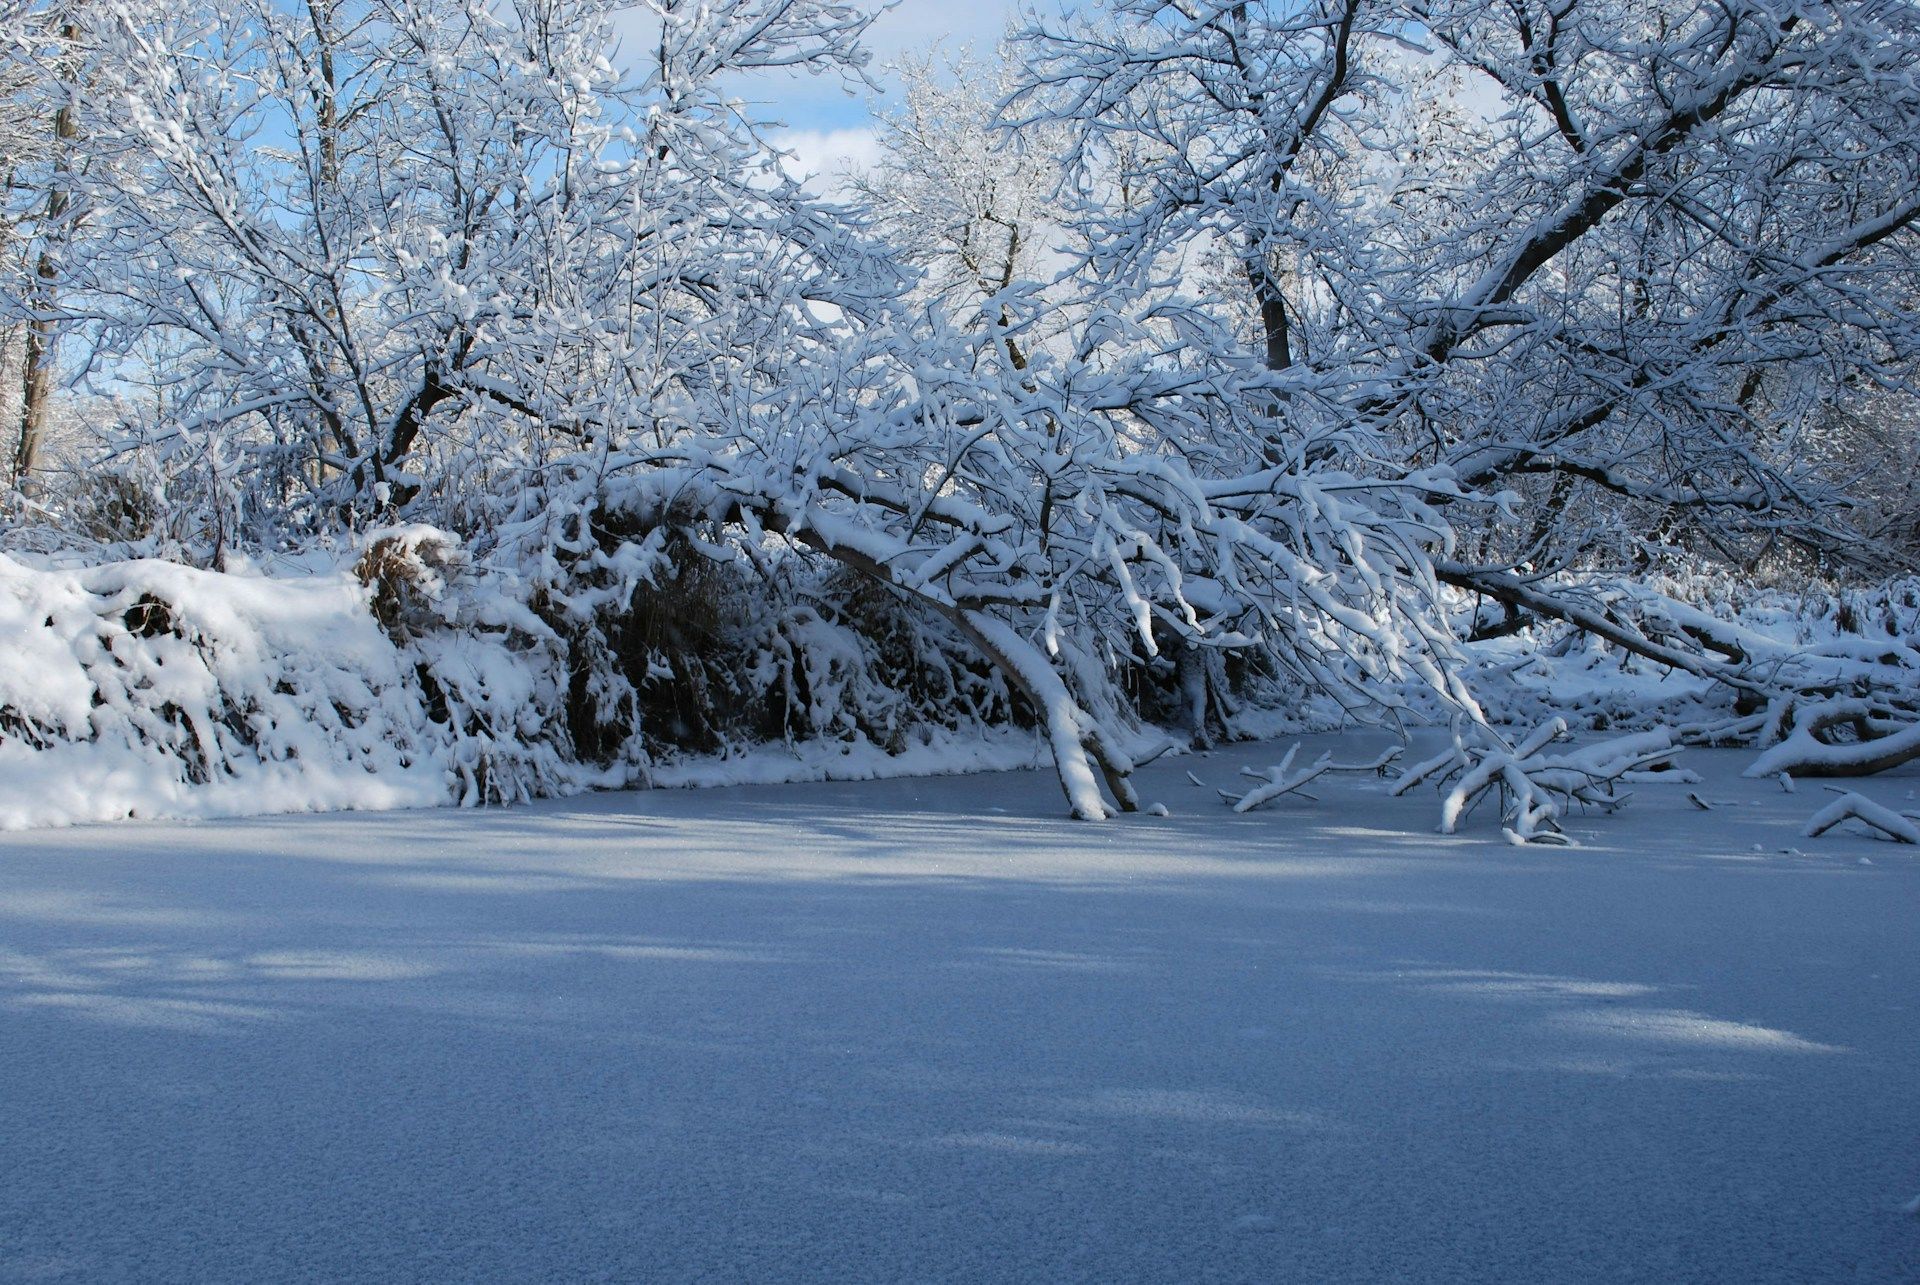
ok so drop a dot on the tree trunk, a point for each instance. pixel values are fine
(36, 388)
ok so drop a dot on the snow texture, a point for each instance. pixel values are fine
(934, 1031)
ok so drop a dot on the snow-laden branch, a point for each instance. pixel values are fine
(1537, 787)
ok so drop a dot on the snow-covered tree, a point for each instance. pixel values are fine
(975, 207)
(1671, 232)
(1507, 291)
(1666, 236)
(400, 248)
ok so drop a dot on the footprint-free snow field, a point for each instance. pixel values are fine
(931, 1030)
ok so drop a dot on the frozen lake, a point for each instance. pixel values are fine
(932, 1030)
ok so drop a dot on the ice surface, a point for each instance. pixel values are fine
(932, 1030)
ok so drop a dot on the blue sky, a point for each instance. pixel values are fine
(829, 129)
(819, 104)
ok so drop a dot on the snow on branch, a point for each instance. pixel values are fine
(1283, 779)
(1857, 807)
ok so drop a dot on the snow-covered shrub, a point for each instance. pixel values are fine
(147, 688)
(941, 682)
(1824, 679)
(410, 573)
(111, 507)
(490, 673)
(416, 675)
(684, 635)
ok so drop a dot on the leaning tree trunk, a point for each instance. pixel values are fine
(1085, 752)
(1080, 744)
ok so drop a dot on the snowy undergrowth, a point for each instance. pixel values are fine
(406, 677)
(147, 688)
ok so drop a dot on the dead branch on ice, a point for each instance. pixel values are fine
(1859, 808)
(1535, 786)
(1279, 780)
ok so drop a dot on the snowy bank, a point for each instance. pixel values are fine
(149, 689)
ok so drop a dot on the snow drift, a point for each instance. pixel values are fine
(148, 688)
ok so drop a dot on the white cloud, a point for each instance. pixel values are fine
(822, 158)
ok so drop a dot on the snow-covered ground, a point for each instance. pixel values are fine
(930, 1030)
